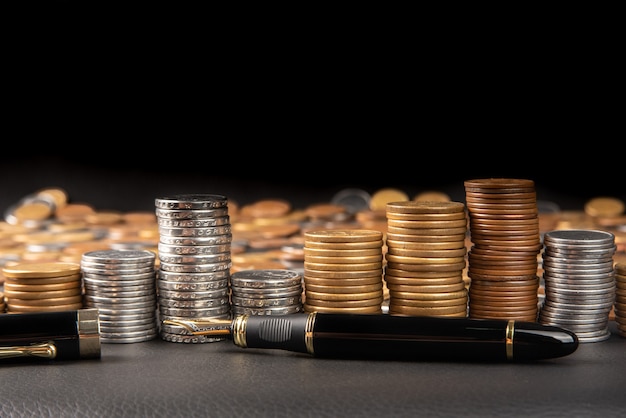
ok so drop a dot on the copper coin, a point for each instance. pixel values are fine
(429, 288)
(394, 272)
(428, 295)
(354, 235)
(426, 303)
(374, 309)
(343, 274)
(427, 267)
(426, 311)
(419, 207)
(340, 288)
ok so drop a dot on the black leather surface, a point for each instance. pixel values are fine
(164, 379)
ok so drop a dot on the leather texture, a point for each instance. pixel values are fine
(164, 379)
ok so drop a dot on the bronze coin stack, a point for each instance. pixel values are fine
(505, 243)
(426, 258)
(343, 271)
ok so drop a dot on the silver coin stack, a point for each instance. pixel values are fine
(266, 292)
(194, 250)
(121, 284)
(579, 280)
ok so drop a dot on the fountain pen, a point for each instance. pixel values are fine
(393, 337)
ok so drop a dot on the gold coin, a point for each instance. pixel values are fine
(604, 207)
(54, 308)
(45, 280)
(73, 212)
(431, 232)
(41, 270)
(45, 301)
(427, 253)
(344, 260)
(453, 216)
(428, 295)
(432, 196)
(427, 238)
(329, 252)
(424, 260)
(25, 295)
(348, 274)
(266, 208)
(351, 246)
(381, 197)
(412, 281)
(416, 245)
(422, 207)
(343, 267)
(426, 311)
(429, 288)
(338, 287)
(444, 224)
(58, 195)
(376, 301)
(424, 267)
(40, 287)
(33, 211)
(341, 278)
(426, 303)
(340, 297)
(333, 309)
(343, 235)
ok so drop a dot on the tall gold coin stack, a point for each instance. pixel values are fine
(426, 257)
(620, 298)
(505, 243)
(42, 287)
(343, 271)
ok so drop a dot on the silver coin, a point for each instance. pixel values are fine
(193, 223)
(353, 199)
(191, 201)
(195, 232)
(195, 268)
(267, 293)
(240, 310)
(168, 276)
(190, 214)
(192, 286)
(194, 258)
(266, 302)
(118, 256)
(194, 313)
(193, 249)
(265, 278)
(581, 236)
(118, 272)
(189, 339)
(212, 240)
(193, 295)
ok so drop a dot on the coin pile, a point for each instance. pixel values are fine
(194, 262)
(426, 258)
(343, 271)
(579, 280)
(266, 292)
(42, 287)
(505, 244)
(121, 284)
(620, 298)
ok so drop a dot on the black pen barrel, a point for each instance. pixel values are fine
(73, 334)
(396, 337)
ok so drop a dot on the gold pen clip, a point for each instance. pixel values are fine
(42, 350)
(203, 326)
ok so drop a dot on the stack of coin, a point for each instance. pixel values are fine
(426, 258)
(579, 279)
(121, 284)
(505, 245)
(194, 261)
(620, 298)
(343, 271)
(42, 287)
(266, 292)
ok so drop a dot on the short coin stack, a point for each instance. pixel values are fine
(343, 271)
(620, 298)
(42, 287)
(506, 242)
(579, 280)
(266, 292)
(121, 284)
(194, 262)
(426, 257)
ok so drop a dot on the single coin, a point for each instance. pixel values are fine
(411, 281)
(424, 274)
(424, 260)
(52, 308)
(328, 252)
(382, 197)
(340, 297)
(429, 288)
(426, 253)
(343, 260)
(325, 211)
(343, 267)
(425, 267)
(351, 246)
(40, 270)
(67, 300)
(428, 295)
(604, 206)
(440, 224)
(339, 287)
(427, 231)
(266, 208)
(334, 280)
(426, 311)
(334, 309)
(425, 207)
(58, 195)
(46, 280)
(429, 303)
(345, 235)
(46, 294)
(415, 245)
(411, 238)
(353, 199)
(432, 196)
(375, 301)
(499, 183)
